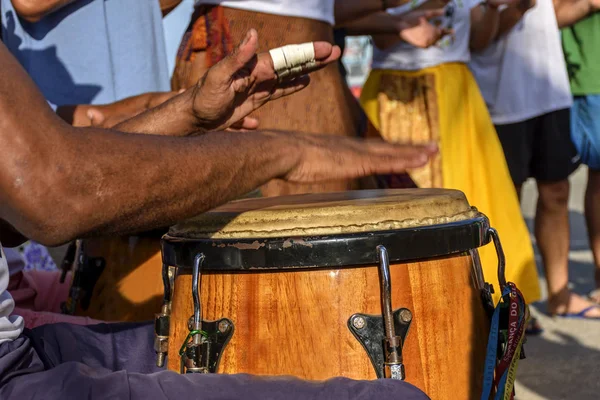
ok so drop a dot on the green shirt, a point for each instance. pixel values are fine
(581, 45)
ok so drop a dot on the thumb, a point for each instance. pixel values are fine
(97, 117)
(242, 54)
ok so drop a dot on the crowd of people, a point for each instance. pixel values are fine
(466, 94)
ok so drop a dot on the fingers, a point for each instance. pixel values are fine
(97, 117)
(292, 61)
(242, 55)
(289, 87)
(247, 123)
(385, 158)
(325, 52)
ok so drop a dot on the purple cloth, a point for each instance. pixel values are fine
(116, 361)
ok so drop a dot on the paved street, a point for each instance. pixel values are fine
(564, 362)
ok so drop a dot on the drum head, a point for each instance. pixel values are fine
(328, 214)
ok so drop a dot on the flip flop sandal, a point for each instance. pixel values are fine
(533, 327)
(580, 314)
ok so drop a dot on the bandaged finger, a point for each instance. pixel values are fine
(292, 59)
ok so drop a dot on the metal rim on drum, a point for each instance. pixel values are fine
(344, 250)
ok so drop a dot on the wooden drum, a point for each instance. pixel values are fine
(361, 284)
(118, 278)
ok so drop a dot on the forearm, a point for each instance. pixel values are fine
(172, 118)
(348, 10)
(484, 27)
(569, 12)
(376, 23)
(80, 182)
(509, 17)
(34, 10)
(58, 182)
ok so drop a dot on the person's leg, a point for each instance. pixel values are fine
(585, 132)
(552, 235)
(112, 361)
(554, 160)
(517, 144)
(592, 218)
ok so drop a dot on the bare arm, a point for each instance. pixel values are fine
(569, 12)
(349, 10)
(509, 17)
(58, 183)
(34, 10)
(387, 30)
(166, 6)
(376, 23)
(484, 26)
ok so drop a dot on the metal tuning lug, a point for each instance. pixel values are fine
(383, 336)
(204, 345)
(162, 321)
(392, 344)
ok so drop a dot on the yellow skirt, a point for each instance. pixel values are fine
(443, 104)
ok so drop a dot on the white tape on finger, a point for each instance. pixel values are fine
(293, 59)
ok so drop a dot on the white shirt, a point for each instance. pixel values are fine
(321, 10)
(523, 75)
(406, 57)
(11, 326)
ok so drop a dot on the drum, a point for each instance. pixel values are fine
(361, 284)
(117, 278)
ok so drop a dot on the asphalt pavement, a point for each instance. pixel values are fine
(564, 361)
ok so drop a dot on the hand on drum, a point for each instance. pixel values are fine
(244, 81)
(324, 158)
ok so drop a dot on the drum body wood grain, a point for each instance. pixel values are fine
(130, 287)
(295, 323)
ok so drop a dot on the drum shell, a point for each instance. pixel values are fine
(295, 322)
(130, 288)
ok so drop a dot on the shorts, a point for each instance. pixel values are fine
(585, 129)
(539, 148)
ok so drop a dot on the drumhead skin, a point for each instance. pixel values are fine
(325, 230)
(328, 214)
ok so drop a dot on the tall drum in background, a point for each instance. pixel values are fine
(362, 284)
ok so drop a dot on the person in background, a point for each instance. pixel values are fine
(420, 95)
(107, 54)
(580, 21)
(215, 24)
(96, 62)
(357, 18)
(523, 79)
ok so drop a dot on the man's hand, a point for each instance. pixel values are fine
(323, 158)
(244, 81)
(109, 115)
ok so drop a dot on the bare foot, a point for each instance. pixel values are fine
(574, 305)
